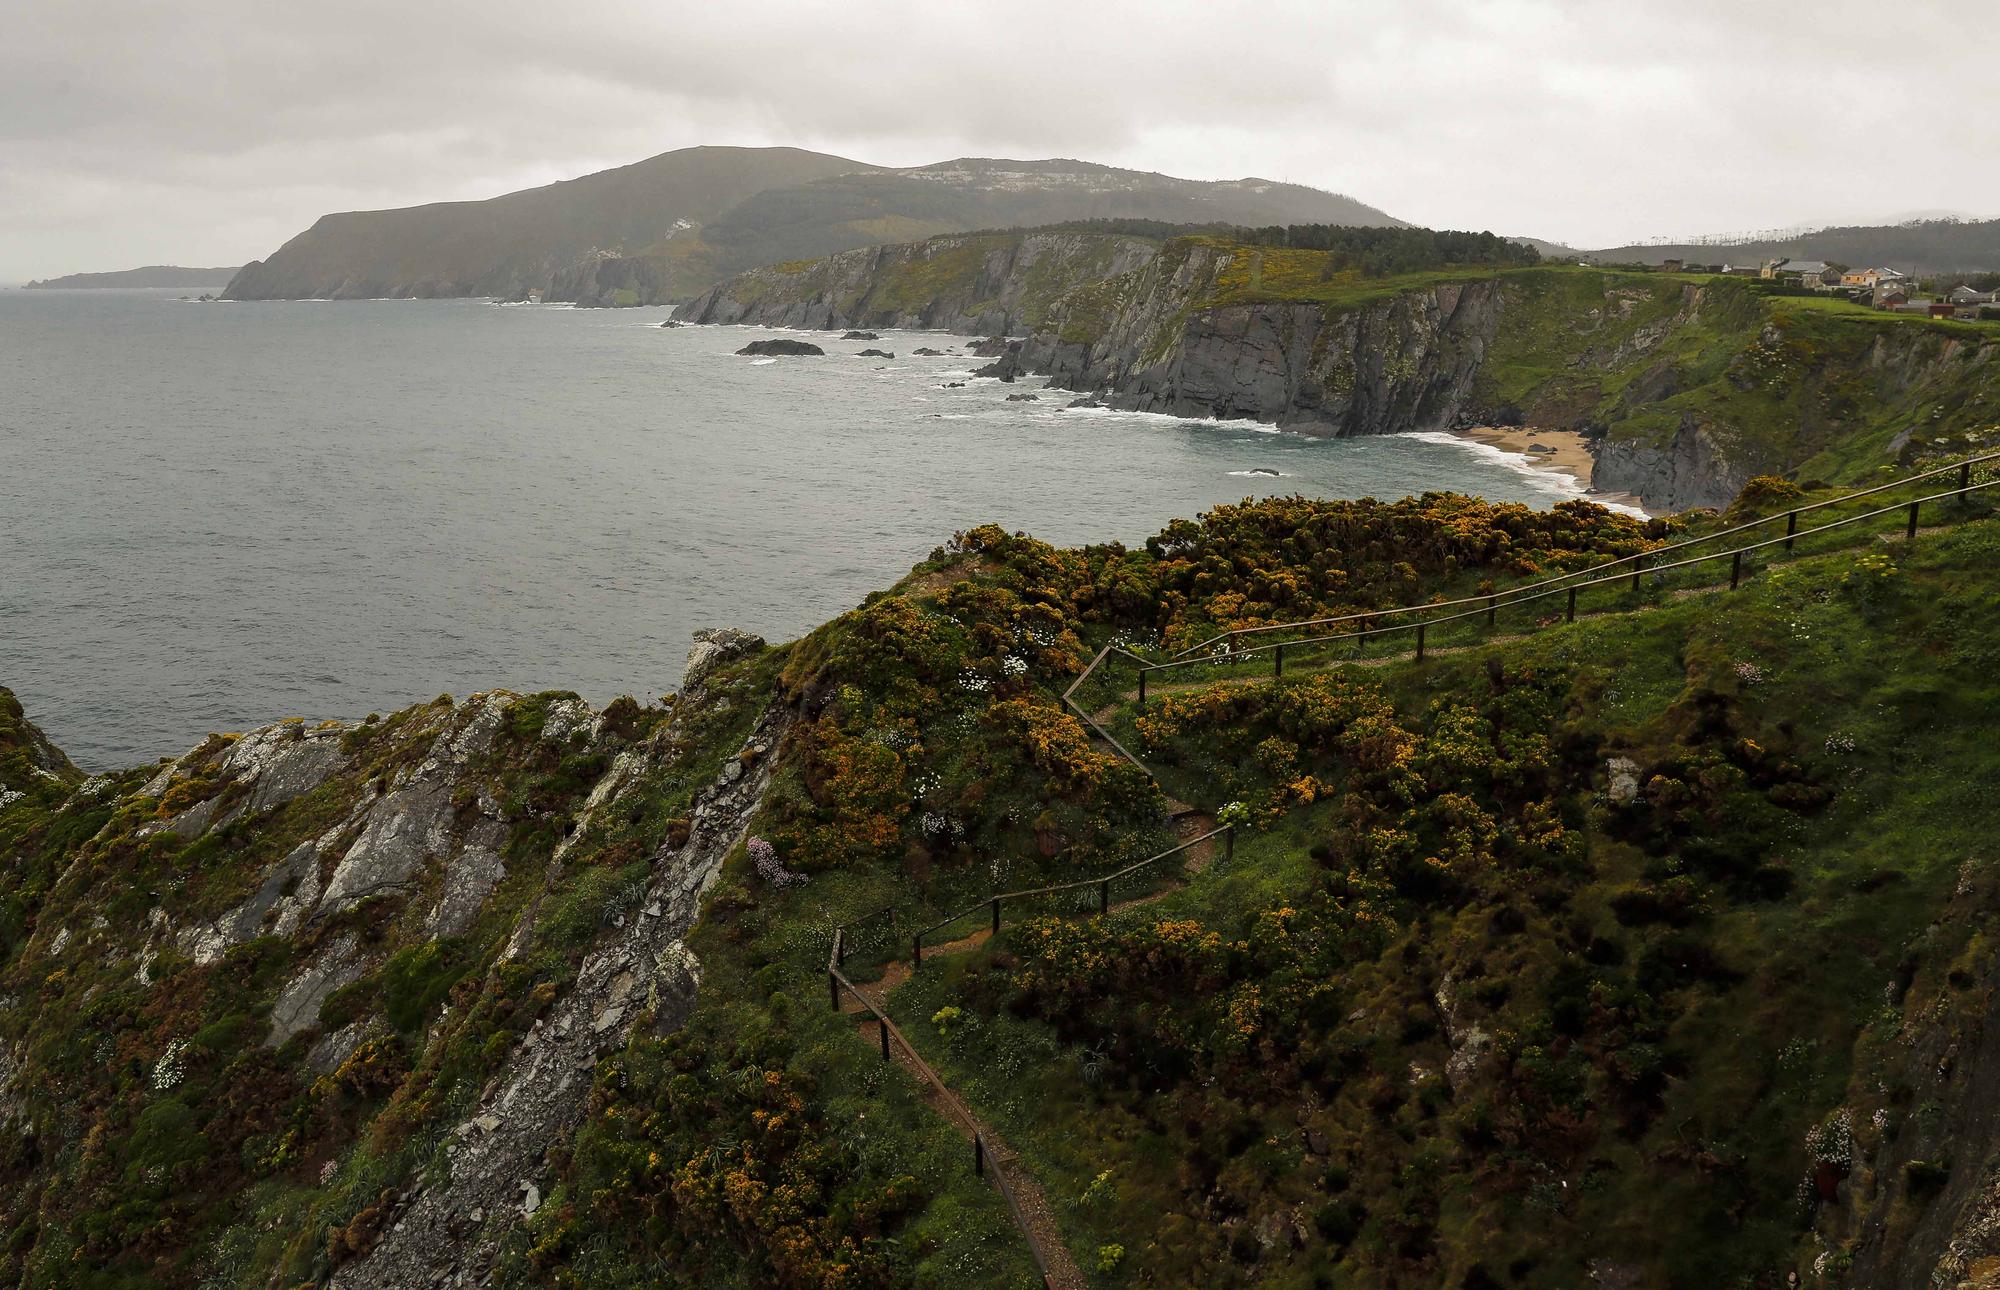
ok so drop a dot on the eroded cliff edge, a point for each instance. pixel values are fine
(1687, 386)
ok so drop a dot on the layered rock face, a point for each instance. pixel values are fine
(1408, 362)
(316, 917)
(974, 284)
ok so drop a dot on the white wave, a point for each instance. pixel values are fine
(1263, 474)
(759, 362)
(1164, 420)
(1529, 467)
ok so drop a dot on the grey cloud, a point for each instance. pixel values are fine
(135, 132)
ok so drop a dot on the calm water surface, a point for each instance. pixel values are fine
(214, 516)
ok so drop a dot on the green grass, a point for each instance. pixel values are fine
(1899, 663)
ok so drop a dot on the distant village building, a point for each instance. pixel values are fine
(1805, 273)
(1871, 278)
(1964, 295)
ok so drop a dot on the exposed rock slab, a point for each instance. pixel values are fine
(448, 1233)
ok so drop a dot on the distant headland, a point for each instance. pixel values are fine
(152, 275)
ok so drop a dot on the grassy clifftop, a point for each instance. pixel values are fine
(1647, 948)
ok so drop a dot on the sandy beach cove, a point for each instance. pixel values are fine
(1564, 452)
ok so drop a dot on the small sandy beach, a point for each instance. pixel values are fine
(1562, 451)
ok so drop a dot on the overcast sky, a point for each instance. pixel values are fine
(209, 132)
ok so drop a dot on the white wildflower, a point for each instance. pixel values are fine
(169, 1069)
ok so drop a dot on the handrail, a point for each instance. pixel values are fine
(1068, 697)
(1102, 882)
(955, 1106)
(1517, 594)
(1735, 553)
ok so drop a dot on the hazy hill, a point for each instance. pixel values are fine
(1919, 246)
(152, 275)
(510, 245)
(667, 228)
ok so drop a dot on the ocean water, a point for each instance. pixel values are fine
(213, 516)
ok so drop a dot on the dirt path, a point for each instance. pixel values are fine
(1025, 1199)
(1028, 1204)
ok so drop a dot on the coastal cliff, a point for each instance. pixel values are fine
(1686, 386)
(973, 284)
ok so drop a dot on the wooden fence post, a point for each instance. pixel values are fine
(1638, 563)
(1912, 533)
(1735, 570)
(1571, 617)
(1964, 479)
(1791, 528)
(883, 1026)
(1278, 668)
(1229, 845)
(1491, 612)
(1104, 896)
(1142, 686)
(1420, 642)
(979, 1155)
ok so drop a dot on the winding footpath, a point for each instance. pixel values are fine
(1029, 1204)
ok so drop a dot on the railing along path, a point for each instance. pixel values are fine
(1629, 570)
(988, 1166)
(1535, 590)
(1569, 585)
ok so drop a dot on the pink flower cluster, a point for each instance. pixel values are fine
(769, 867)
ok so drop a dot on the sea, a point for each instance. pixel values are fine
(216, 515)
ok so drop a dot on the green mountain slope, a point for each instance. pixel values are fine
(508, 246)
(666, 228)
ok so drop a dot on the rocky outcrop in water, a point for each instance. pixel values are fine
(783, 347)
